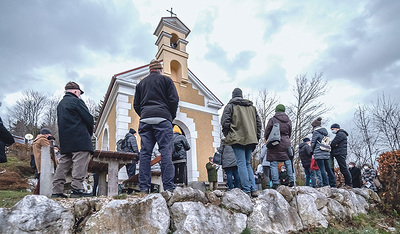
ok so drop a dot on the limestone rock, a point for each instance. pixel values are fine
(238, 201)
(361, 191)
(213, 198)
(286, 193)
(350, 201)
(187, 194)
(309, 213)
(36, 214)
(336, 210)
(195, 217)
(146, 215)
(374, 196)
(273, 214)
(218, 193)
(325, 190)
(320, 199)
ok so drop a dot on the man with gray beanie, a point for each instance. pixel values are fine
(156, 102)
(241, 127)
(339, 151)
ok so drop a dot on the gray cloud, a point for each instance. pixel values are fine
(367, 51)
(205, 22)
(218, 55)
(40, 34)
(273, 79)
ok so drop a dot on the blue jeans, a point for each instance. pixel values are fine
(275, 172)
(131, 168)
(307, 171)
(149, 135)
(246, 175)
(314, 176)
(324, 167)
(232, 172)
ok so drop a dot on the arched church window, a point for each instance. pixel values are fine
(174, 40)
(104, 145)
(176, 71)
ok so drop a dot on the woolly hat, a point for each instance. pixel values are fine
(280, 108)
(237, 93)
(210, 158)
(154, 64)
(317, 122)
(306, 139)
(177, 129)
(132, 131)
(335, 125)
(44, 131)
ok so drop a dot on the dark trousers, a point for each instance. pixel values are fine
(266, 170)
(232, 172)
(341, 159)
(328, 178)
(150, 134)
(307, 171)
(131, 168)
(95, 183)
(180, 173)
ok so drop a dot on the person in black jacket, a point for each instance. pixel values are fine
(305, 157)
(339, 151)
(181, 145)
(6, 139)
(355, 175)
(156, 102)
(75, 129)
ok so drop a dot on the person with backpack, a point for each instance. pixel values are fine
(305, 157)
(279, 152)
(181, 145)
(129, 144)
(320, 146)
(339, 152)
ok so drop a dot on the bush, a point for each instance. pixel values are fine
(389, 175)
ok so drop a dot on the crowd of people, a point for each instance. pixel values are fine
(156, 102)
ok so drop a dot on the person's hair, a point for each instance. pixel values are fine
(158, 70)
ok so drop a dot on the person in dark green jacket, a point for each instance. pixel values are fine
(241, 127)
(212, 169)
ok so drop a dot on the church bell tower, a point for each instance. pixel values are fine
(171, 41)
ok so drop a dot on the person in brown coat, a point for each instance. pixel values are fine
(40, 140)
(279, 153)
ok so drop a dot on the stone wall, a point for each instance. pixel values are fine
(189, 210)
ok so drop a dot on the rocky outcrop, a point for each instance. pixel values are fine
(189, 210)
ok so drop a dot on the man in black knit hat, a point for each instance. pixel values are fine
(339, 151)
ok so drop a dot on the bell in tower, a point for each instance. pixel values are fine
(171, 42)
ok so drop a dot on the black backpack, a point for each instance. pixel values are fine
(122, 145)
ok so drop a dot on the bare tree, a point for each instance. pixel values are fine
(50, 115)
(386, 115)
(27, 111)
(306, 108)
(364, 138)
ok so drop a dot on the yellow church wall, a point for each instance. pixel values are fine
(204, 141)
(134, 121)
(112, 127)
(100, 140)
(189, 94)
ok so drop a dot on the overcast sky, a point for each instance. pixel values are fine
(247, 44)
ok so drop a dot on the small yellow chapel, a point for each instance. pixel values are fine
(197, 113)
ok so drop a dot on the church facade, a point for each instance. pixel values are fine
(197, 113)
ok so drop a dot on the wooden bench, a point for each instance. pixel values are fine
(109, 162)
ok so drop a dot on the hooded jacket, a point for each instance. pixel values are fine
(279, 152)
(181, 145)
(339, 143)
(40, 140)
(132, 143)
(317, 136)
(75, 125)
(6, 139)
(228, 156)
(240, 122)
(305, 154)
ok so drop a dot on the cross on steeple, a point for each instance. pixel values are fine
(172, 13)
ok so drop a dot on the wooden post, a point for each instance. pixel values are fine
(46, 172)
(102, 186)
(113, 178)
